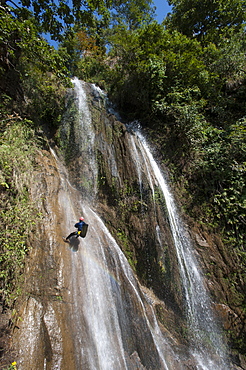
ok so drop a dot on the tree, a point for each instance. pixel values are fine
(132, 13)
(58, 17)
(206, 18)
(55, 17)
(20, 46)
(151, 65)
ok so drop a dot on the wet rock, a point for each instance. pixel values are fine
(135, 363)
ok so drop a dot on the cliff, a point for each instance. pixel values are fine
(85, 306)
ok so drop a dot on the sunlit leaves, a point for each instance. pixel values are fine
(86, 43)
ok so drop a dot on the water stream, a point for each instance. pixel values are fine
(87, 135)
(206, 343)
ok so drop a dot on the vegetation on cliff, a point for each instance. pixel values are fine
(184, 79)
(18, 215)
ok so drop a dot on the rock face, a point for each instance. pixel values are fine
(84, 306)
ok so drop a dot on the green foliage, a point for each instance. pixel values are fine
(33, 72)
(53, 17)
(46, 98)
(91, 65)
(17, 212)
(132, 14)
(220, 177)
(161, 75)
(22, 36)
(27, 59)
(92, 69)
(207, 19)
(58, 17)
(185, 109)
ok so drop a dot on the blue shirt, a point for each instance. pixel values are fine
(79, 225)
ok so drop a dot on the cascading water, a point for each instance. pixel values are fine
(87, 138)
(106, 320)
(140, 161)
(114, 327)
(205, 338)
(109, 312)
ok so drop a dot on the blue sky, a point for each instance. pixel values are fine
(162, 8)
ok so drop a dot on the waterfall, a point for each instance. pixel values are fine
(206, 343)
(98, 316)
(104, 311)
(112, 320)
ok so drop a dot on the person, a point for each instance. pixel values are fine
(79, 225)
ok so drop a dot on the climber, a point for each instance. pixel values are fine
(82, 229)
